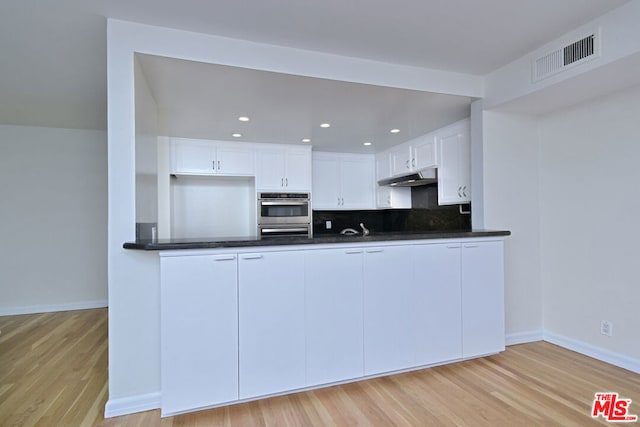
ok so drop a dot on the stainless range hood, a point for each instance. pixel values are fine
(424, 177)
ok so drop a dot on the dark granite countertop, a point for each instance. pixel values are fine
(239, 242)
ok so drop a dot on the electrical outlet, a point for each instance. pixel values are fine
(327, 224)
(606, 328)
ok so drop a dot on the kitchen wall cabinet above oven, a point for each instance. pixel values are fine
(343, 181)
(283, 168)
(203, 157)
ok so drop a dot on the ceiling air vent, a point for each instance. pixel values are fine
(560, 59)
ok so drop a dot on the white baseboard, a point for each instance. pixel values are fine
(132, 404)
(524, 337)
(48, 308)
(610, 357)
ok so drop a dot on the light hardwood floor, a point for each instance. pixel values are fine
(53, 372)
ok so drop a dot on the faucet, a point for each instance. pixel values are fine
(365, 230)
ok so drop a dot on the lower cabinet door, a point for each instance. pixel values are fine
(199, 332)
(333, 313)
(388, 319)
(271, 322)
(482, 298)
(437, 303)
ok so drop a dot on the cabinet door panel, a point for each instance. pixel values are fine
(424, 152)
(233, 160)
(482, 298)
(454, 168)
(271, 323)
(192, 157)
(199, 331)
(438, 322)
(356, 183)
(333, 288)
(325, 194)
(298, 170)
(401, 160)
(388, 318)
(270, 174)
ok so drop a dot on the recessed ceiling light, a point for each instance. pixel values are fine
(366, 143)
(243, 118)
(394, 130)
(306, 140)
(236, 135)
(325, 125)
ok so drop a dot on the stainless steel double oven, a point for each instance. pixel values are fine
(284, 214)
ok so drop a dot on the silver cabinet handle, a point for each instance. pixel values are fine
(375, 251)
(287, 203)
(213, 164)
(225, 258)
(407, 164)
(338, 201)
(218, 164)
(453, 246)
(281, 182)
(413, 162)
(253, 256)
(464, 191)
(353, 251)
(286, 182)
(459, 190)
(470, 246)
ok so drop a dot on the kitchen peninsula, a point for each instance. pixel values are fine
(242, 319)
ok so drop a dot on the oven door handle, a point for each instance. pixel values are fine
(283, 230)
(284, 203)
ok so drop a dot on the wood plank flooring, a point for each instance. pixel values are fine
(53, 372)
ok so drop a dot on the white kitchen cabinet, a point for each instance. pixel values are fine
(482, 298)
(203, 157)
(333, 315)
(400, 160)
(387, 196)
(454, 164)
(343, 181)
(389, 324)
(437, 303)
(284, 168)
(424, 150)
(413, 156)
(198, 331)
(271, 322)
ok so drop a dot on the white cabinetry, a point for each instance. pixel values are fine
(454, 164)
(198, 331)
(202, 157)
(482, 298)
(284, 167)
(387, 196)
(438, 321)
(343, 181)
(413, 156)
(271, 322)
(389, 325)
(333, 313)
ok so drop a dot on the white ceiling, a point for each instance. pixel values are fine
(53, 61)
(197, 100)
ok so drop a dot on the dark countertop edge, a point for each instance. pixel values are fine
(317, 240)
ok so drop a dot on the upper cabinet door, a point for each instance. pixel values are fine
(356, 182)
(284, 168)
(383, 166)
(235, 159)
(192, 157)
(343, 181)
(424, 153)
(454, 171)
(401, 160)
(297, 162)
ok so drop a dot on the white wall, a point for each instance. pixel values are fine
(589, 210)
(510, 172)
(53, 193)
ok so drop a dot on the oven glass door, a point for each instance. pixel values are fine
(284, 212)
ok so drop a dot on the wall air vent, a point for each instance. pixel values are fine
(566, 57)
